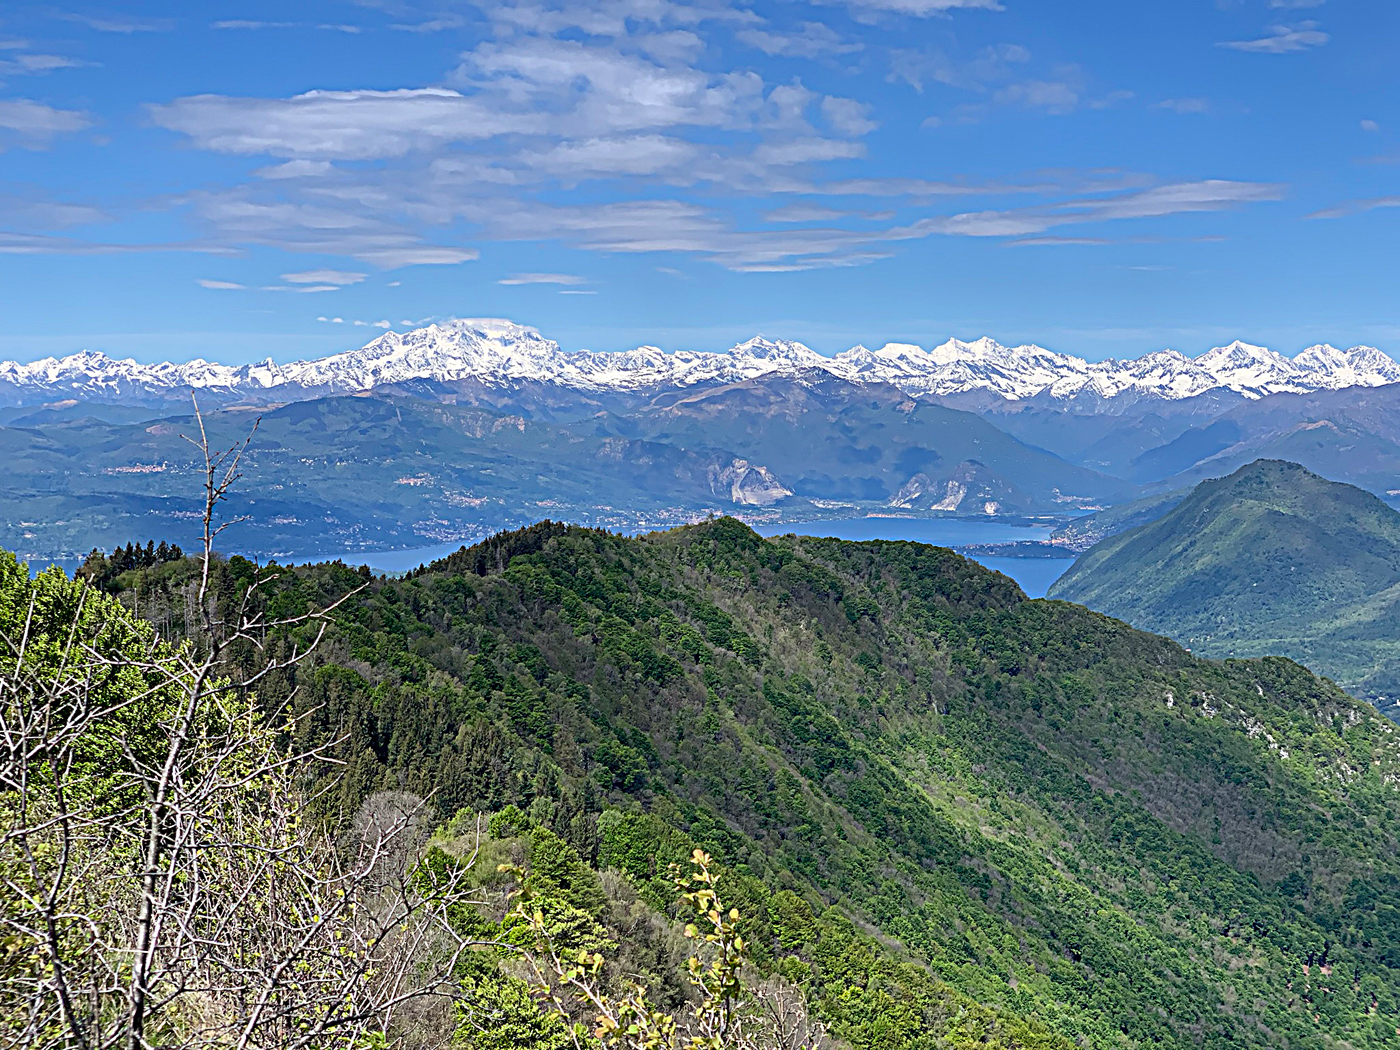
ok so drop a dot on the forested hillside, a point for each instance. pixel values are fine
(951, 815)
(1272, 559)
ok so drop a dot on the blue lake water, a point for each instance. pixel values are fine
(386, 561)
(1035, 575)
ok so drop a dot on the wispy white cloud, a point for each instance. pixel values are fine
(296, 169)
(359, 125)
(1357, 207)
(804, 213)
(333, 277)
(808, 150)
(432, 25)
(1000, 75)
(35, 212)
(30, 63)
(221, 286)
(919, 189)
(620, 155)
(524, 109)
(846, 116)
(919, 8)
(991, 65)
(38, 124)
(418, 255)
(808, 40)
(253, 24)
(118, 23)
(676, 226)
(1370, 125)
(1053, 96)
(1178, 197)
(47, 244)
(244, 23)
(1184, 105)
(542, 278)
(1282, 40)
(1051, 241)
(675, 141)
(239, 217)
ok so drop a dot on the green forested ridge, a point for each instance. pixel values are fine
(953, 815)
(1272, 559)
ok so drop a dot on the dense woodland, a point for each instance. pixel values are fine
(951, 816)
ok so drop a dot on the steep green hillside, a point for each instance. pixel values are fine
(927, 790)
(1272, 559)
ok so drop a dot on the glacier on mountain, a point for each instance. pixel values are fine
(499, 352)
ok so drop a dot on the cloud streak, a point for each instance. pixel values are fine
(1358, 207)
(1282, 40)
(344, 125)
(38, 124)
(542, 278)
(118, 23)
(337, 278)
(618, 126)
(919, 8)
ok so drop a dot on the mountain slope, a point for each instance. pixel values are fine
(384, 471)
(1272, 559)
(503, 353)
(1022, 801)
(1083, 533)
(835, 440)
(353, 473)
(1351, 435)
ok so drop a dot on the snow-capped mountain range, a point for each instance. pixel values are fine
(497, 352)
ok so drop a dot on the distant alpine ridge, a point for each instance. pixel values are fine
(502, 353)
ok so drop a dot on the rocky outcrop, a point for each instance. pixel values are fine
(747, 484)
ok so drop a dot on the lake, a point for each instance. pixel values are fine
(1035, 575)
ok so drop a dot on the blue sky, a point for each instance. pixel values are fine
(1105, 178)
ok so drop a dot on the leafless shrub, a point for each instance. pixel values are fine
(161, 880)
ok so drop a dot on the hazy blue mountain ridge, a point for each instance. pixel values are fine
(373, 471)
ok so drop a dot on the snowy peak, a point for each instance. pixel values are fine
(1332, 369)
(496, 351)
(1240, 354)
(904, 359)
(1252, 370)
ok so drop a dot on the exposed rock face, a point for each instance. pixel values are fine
(747, 484)
(970, 489)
